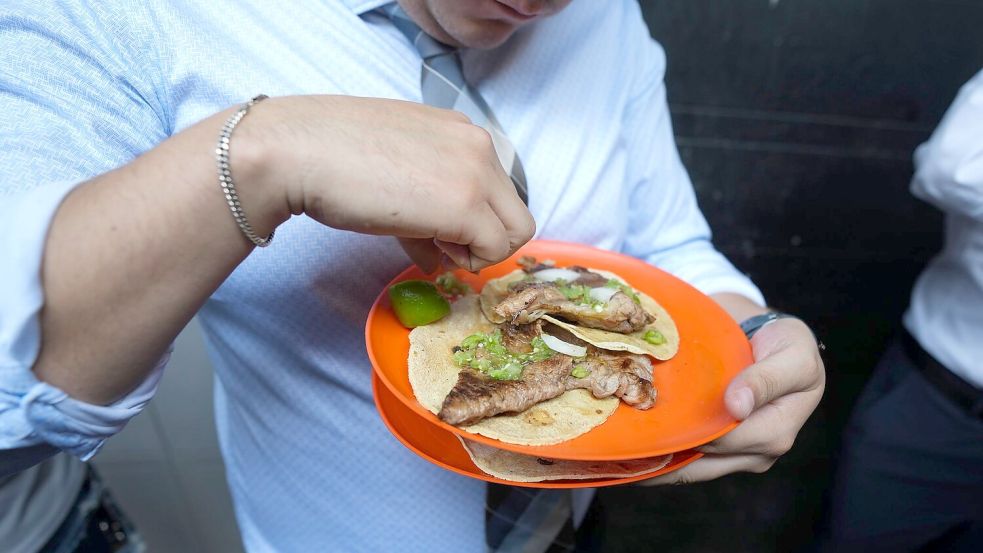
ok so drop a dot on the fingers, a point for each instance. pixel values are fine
(423, 252)
(710, 467)
(774, 397)
(503, 200)
(787, 361)
(771, 430)
(515, 215)
(484, 236)
(458, 255)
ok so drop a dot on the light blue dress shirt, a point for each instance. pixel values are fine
(86, 87)
(946, 311)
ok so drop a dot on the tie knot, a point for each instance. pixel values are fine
(428, 46)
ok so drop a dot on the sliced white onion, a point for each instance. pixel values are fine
(552, 275)
(603, 293)
(565, 348)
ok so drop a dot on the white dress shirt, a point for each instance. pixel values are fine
(946, 311)
(85, 87)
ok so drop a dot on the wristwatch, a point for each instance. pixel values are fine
(753, 324)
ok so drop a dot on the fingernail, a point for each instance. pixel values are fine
(740, 402)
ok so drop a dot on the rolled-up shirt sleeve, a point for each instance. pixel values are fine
(949, 167)
(66, 115)
(667, 228)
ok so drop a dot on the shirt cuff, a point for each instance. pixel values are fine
(41, 413)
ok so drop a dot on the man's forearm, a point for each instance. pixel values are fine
(132, 254)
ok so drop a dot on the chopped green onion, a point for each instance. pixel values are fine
(495, 359)
(579, 294)
(449, 285)
(580, 371)
(540, 351)
(654, 337)
(472, 341)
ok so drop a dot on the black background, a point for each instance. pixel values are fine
(797, 120)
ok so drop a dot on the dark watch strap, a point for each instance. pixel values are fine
(753, 324)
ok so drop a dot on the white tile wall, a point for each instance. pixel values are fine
(165, 468)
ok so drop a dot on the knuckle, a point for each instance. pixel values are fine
(469, 193)
(528, 229)
(479, 139)
(780, 446)
(819, 368)
(504, 250)
(457, 116)
(762, 466)
(456, 232)
(768, 386)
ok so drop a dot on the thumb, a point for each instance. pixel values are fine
(781, 373)
(423, 252)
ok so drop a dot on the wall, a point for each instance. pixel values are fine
(797, 120)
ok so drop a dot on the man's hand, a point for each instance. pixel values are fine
(773, 397)
(425, 175)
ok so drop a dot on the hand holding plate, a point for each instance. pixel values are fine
(773, 397)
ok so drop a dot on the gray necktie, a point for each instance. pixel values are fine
(443, 86)
(517, 519)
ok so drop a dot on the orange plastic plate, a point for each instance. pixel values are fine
(443, 449)
(689, 410)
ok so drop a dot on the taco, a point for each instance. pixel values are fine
(597, 306)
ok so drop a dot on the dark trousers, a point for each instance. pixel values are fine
(911, 471)
(94, 524)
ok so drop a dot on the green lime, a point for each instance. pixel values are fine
(417, 303)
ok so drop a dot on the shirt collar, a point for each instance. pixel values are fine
(364, 6)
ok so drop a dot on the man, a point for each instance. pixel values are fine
(910, 477)
(123, 261)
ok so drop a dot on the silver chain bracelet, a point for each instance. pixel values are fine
(225, 175)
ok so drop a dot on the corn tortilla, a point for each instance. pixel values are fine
(433, 373)
(517, 467)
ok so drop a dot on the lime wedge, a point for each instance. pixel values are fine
(417, 303)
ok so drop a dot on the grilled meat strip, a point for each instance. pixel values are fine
(528, 301)
(624, 375)
(477, 396)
